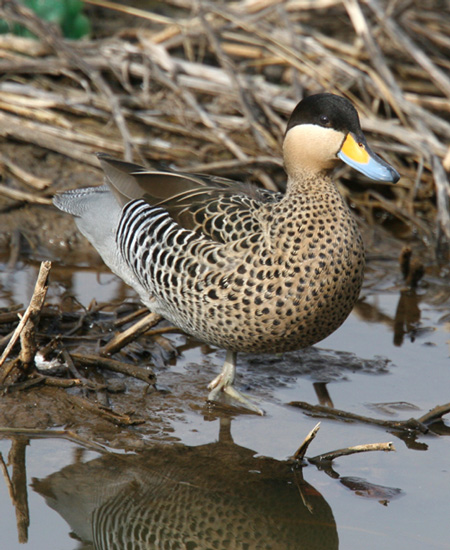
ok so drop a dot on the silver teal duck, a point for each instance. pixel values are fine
(239, 267)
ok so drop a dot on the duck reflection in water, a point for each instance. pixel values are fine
(215, 496)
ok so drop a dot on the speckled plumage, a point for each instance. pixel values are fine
(287, 283)
(237, 267)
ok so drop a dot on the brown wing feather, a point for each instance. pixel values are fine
(220, 208)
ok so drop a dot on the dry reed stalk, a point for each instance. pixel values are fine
(26, 328)
(29, 179)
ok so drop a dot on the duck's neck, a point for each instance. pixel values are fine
(306, 152)
(307, 183)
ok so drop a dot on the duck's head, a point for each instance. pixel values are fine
(324, 128)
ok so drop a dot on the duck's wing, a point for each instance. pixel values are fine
(221, 209)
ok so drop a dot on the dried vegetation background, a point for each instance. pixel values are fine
(207, 87)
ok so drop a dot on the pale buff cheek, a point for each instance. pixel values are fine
(311, 148)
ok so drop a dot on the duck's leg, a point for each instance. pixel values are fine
(224, 382)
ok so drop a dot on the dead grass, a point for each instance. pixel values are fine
(207, 86)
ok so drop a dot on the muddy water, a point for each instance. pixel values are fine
(214, 478)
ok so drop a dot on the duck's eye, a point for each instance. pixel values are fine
(324, 120)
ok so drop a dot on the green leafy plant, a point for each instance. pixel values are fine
(67, 14)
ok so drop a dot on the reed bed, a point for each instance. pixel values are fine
(207, 87)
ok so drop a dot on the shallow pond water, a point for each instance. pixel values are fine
(210, 478)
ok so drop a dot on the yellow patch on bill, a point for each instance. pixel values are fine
(354, 150)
